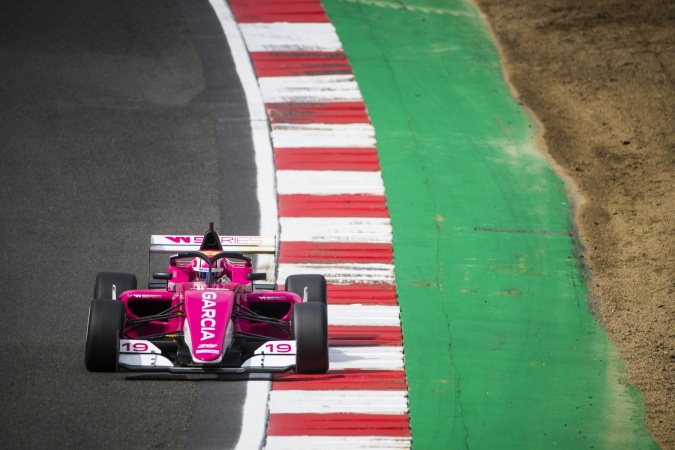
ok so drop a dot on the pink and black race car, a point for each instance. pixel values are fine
(206, 315)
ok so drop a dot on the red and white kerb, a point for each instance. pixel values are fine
(333, 220)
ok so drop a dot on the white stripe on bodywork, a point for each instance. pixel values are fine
(282, 36)
(336, 442)
(351, 135)
(329, 182)
(360, 315)
(318, 88)
(347, 273)
(331, 402)
(336, 229)
(366, 358)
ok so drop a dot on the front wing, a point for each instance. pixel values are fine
(143, 356)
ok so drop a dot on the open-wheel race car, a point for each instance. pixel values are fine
(206, 314)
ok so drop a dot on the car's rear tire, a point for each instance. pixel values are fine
(315, 284)
(122, 282)
(310, 331)
(104, 330)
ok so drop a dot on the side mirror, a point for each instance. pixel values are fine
(162, 276)
(256, 276)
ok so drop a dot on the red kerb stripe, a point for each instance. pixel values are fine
(329, 112)
(268, 11)
(355, 159)
(360, 293)
(303, 205)
(369, 294)
(334, 252)
(362, 336)
(353, 379)
(300, 63)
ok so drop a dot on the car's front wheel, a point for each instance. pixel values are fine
(112, 284)
(309, 286)
(104, 330)
(310, 331)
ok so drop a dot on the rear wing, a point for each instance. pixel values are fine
(242, 244)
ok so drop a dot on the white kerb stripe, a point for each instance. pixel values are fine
(323, 135)
(327, 402)
(341, 273)
(255, 405)
(336, 442)
(329, 182)
(364, 315)
(282, 36)
(317, 88)
(335, 229)
(366, 358)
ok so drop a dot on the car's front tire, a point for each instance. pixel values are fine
(105, 328)
(315, 285)
(310, 331)
(121, 282)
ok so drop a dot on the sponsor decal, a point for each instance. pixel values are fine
(208, 322)
(179, 239)
(241, 240)
(231, 240)
(135, 296)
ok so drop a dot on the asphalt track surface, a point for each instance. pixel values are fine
(117, 120)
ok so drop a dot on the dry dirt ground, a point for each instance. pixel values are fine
(600, 76)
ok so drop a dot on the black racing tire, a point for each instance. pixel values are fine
(315, 284)
(105, 281)
(310, 331)
(105, 328)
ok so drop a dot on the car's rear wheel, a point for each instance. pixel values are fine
(107, 282)
(310, 331)
(315, 285)
(104, 330)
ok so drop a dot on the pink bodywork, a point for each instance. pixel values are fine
(208, 309)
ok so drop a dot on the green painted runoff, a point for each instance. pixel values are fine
(501, 350)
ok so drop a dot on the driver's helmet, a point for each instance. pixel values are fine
(200, 268)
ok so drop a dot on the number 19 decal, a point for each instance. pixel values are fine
(279, 347)
(129, 346)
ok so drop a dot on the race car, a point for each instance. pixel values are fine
(206, 314)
